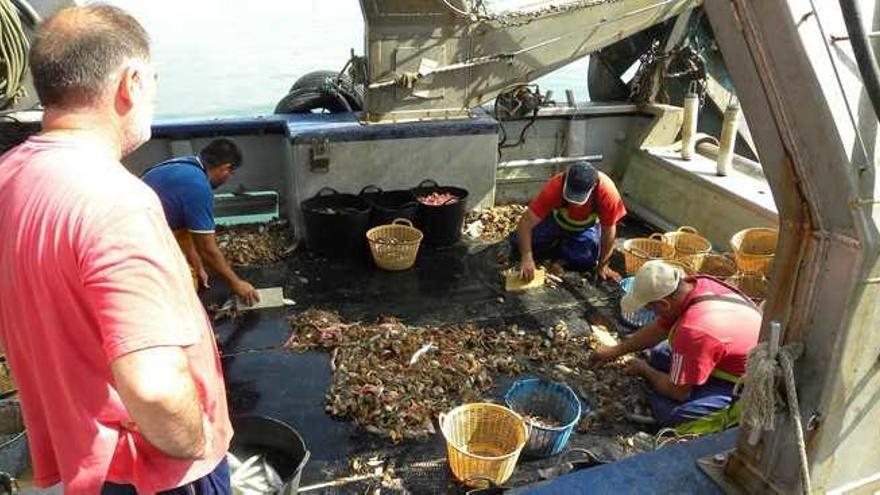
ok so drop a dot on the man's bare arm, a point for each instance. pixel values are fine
(159, 393)
(527, 222)
(645, 338)
(209, 251)
(660, 381)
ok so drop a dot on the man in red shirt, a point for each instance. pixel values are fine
(572, 220)
(118, 373)
(700, 341)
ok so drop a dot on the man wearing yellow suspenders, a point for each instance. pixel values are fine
(573, 220)
(699, 342)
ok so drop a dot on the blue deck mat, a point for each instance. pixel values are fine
(669, 470)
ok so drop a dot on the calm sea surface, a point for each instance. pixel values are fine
(220, 58)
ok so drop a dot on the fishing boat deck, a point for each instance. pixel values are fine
(460, 284)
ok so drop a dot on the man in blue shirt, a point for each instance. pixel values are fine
(185, 187)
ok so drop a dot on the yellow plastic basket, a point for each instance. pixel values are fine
(754, 249)
(639, 250)
(719, 266)
(395, 246)
(483, 442)
(690, 247)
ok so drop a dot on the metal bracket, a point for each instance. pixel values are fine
(319, 156)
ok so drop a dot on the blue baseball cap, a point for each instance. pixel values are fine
(580, 179)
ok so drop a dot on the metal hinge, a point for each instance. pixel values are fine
(319, 159)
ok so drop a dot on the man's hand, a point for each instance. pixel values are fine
(636, 366)
(603, 354)
(527, 268)
(203, 278)
(606, 273)
(246, 292)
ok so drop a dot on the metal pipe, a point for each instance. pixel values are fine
(559, 160)
(864, 53)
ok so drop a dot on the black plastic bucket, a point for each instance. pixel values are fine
(389, 205)
(336, 224)
(441, 224)
(281, 445)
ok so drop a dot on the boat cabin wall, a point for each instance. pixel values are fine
(264, 145)
(297, 155)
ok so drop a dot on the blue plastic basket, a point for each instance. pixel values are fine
(548, 399)
(641, 317)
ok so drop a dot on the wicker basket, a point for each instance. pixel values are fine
(483, 442)
(639, 250)
(752, 284)
(690, 247)
(719, 266)
(754, 249)
(684, 267)
(395, 246)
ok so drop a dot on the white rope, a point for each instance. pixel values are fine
(759, 397)
(758, 390)
(787, 362)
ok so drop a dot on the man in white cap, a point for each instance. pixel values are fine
(699, 341)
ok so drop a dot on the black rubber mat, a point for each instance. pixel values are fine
(449, 286)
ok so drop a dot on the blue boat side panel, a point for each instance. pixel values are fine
(338, 127)
(670, 470)
(342, 127)
(187, 129)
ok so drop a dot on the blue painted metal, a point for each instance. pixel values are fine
(194, 128)
(670, 470)
(342, 127)
(641, 317)
(540, 397)
(335, 127)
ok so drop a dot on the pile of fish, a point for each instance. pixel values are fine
(393, 379)
(254, 244)
(493, 224)
(438, 199)
(253, 477)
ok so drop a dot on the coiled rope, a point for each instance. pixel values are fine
(766, 368)
(13, 55)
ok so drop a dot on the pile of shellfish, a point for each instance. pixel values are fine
(393, 379)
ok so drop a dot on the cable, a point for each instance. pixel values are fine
(26, 9)
(13, 55)
(865, 58)
(456, 9)
(843, 93)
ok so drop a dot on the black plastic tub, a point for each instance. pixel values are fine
(336, 224)
(281, 445)
(386, 206)
(441, 224)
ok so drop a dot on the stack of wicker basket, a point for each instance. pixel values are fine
(753, 251)
(747, 267)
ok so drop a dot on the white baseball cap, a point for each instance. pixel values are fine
(654, 281)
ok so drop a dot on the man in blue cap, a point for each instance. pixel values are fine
(573, 220)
